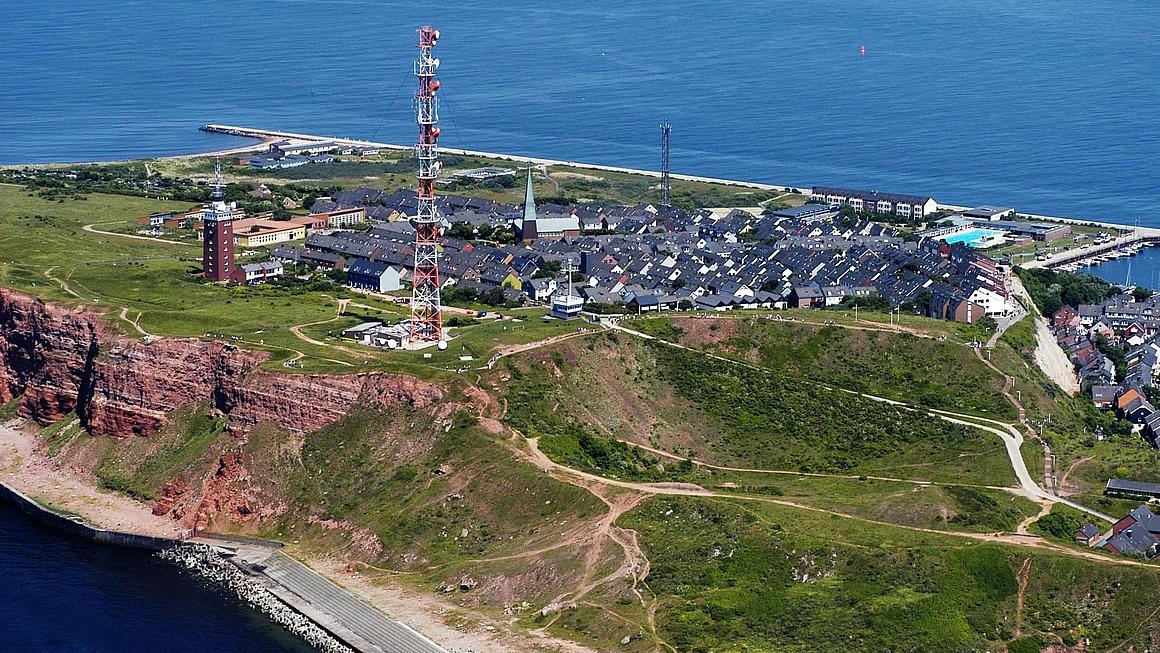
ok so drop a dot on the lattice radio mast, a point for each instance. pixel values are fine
(665, 129)
(426, 307)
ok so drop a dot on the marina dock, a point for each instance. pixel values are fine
(1139, 237)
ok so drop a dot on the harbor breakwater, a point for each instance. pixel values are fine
(203, 560)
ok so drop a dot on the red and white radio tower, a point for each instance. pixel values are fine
(426, 309)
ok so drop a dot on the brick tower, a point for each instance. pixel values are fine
(217, 254)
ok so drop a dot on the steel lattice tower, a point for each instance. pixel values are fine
(665, 129)
(426, 308)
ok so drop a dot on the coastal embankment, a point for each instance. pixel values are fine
(267, 135)
(76, 526)
(285, 590)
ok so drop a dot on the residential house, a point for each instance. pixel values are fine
(374, 276)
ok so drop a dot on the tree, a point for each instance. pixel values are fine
(548, 269)
(493, 297)
(462, 231)
(1051, 290)
(1140, 294)
(873, 302)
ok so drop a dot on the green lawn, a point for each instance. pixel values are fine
(156, 283)
(1070, 424)
(392, 170)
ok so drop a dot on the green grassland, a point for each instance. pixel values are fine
(691, 405)
(1070, 424)
(935, 372)
(135, 466)
(763, 577)
(393, 170)
(43, 245)
(836, 561)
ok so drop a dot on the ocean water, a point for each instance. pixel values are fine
(1046, 105)
(61, 593)
(1142, 269)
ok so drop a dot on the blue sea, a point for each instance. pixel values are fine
(66, 594)
(1050, 106)
(1046, 105)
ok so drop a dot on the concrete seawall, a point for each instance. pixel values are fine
(78, 527)
(350, 620)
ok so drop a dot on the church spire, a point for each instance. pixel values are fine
(529, 199)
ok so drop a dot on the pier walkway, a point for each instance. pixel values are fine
(338, 611)
(1138, 236)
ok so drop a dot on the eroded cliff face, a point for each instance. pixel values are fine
(59, 360)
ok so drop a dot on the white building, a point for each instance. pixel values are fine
(906, 206)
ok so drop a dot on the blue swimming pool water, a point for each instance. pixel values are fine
(971, 236)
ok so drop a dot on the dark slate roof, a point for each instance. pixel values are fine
(1089, 530)
(1133, 487)
(366, 268)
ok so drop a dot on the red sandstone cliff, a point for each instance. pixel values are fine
(59, 360)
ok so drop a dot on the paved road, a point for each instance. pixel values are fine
(351, 613)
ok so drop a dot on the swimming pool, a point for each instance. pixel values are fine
(975, 237)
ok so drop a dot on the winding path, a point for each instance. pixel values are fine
(537, 457)
(1012, 438)
(92, 229)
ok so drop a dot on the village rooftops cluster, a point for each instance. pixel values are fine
(667, 258)
(1138, 533)
(1122, 321)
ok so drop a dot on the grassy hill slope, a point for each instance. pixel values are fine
(690, 405)
(938, 372)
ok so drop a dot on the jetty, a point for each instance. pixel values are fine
(266, 135)
(1138, 237)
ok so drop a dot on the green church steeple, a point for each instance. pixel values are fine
(529, 199)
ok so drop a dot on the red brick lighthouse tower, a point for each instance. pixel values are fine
(218, 229)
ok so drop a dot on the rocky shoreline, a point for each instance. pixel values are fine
(203, 561)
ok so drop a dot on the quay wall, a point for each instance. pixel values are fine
(78, 527)
(1075, 256)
